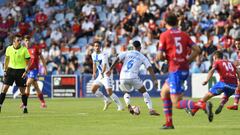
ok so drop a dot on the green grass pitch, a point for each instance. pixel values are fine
(85, 117)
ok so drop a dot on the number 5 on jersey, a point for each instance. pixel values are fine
(178, 45)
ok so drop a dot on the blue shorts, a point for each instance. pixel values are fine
(176, 80)
(33, 74)
(221, 87)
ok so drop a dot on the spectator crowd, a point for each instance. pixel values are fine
(66, 29)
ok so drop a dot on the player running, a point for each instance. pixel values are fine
(132, 60)
(174, 47)
(100, 65)
(237, 91)
(229, 77)
(32, 76)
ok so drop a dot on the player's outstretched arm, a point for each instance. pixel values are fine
(112, 66)
(195, 52)
(150, 70)
(210, 74)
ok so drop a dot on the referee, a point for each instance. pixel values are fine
(15, 70)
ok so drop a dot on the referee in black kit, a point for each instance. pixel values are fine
(15, 70)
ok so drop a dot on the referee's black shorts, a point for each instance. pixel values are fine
(15, 75)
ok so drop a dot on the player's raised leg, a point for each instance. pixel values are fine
(236, 100)
(222, 103)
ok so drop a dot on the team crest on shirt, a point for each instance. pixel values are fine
(98, 62)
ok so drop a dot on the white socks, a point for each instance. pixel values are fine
(100, 94)
(115, 98)
(127, 98)
(147, 100)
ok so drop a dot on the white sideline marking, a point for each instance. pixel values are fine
(55, 115)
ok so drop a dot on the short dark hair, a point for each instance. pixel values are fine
(218, 54)
(17, 36)
(27, 37)
(136, 44)
(97, 42)
(171, 19)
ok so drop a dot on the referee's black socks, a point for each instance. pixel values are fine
(2, 98)
(24, 100)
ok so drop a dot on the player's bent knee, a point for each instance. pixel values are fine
(94, 88)
(109, 91)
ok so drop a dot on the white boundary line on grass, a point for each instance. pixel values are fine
(51, 115)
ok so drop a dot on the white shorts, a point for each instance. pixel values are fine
(106, 82)
(128, 85)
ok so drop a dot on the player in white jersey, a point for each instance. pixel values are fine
(100, 65)
(237, 92)
(132, 60)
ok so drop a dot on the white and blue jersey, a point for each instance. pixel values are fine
(101, 59)
(129, 76)
(132, 60)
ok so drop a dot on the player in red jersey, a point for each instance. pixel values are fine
(229, 77)
(174, 46)
(35, 54)
(237, 91)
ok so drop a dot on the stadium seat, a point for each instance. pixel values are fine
(102, 16)
(82, 42)
(98, 8)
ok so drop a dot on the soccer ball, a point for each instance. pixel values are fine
(136, 110)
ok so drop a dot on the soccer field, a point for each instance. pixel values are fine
(85, 117)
